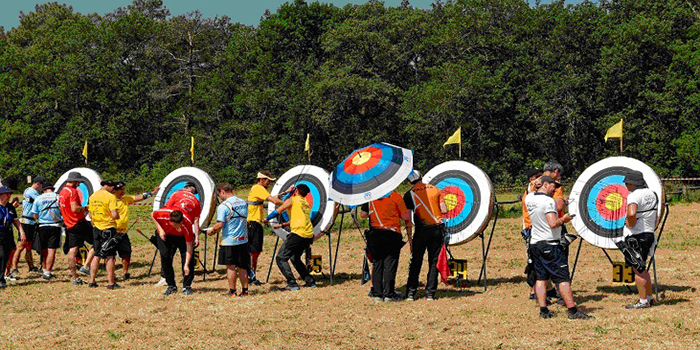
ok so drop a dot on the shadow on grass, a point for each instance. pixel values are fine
(622, 289)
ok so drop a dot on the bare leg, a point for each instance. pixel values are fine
(18, 253)
(88, 258)
(567, 294)
(243, 276)
(71, 262)
(94, 266)
(109, 264)
(541, 292)
(9, 258)
(50, 257)
(28, 255)
(643, 282)
(125, 264)
(231, 276)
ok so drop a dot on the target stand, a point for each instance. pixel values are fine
(471, 201)
(598, 200)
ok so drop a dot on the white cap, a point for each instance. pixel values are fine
(414, 176)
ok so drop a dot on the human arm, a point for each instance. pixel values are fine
(188, 258)
(555, 221)
(22, 236)
(442, 204)
(161, 231)
(631, 215)
(145, 195)
(284, 206)
(216, 228)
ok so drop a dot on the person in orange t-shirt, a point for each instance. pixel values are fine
(384, 241)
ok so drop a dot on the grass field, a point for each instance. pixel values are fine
(38, 315)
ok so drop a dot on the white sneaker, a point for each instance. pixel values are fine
(162, 282)
(10, 278)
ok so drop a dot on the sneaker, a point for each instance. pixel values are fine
(548, 314)
(378, 299)
(394, 297)
(292, 287)
(232, 293)
(126, 276)
(255, 282)
(170, 290)
(92, 285)
(310, 285)
(14, 272)
(579, 315)
(34, 270)
(243, 293)
(162, 282)
(48, 276)
(638, 305)
(10, 278)
(651, 302)
(187, 291)
(113, 286)
(84, 270)
(3, 285)
(533, 296)
(410, 297)
(77, 282)
(431, 297)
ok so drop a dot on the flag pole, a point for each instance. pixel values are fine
(620, 145)
(460, 149)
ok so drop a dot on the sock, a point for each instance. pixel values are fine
(573, 310)
(544, 310)
(643, 301)
(552, 293)
(650, 297)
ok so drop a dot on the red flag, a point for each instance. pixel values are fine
(442, 265)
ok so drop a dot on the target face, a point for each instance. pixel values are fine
(369, 173)
(323, 210)
(599, 199)
(90, 183)
(176, 181)
(469, 197)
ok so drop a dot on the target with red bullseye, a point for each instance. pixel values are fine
(369, 173)
(202, 181)
(323, 210)
(469, 197)
(599, 199)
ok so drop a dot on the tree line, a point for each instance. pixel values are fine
(526, 84)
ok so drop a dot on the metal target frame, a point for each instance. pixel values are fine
(467, 187)
(599, 192)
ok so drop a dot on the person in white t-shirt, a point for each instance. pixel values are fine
(547, 253)
(639, 240)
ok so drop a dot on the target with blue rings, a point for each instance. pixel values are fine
(90, 182)
(323, 210)
(203, 183)
(369, 173)
(469, 197)
(599, 199)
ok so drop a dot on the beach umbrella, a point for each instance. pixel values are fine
(369, 173)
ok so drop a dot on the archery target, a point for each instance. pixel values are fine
(369, 173)
(90, 183)
(176, 181)
(599, 199)
(323, 210)
(469, 197)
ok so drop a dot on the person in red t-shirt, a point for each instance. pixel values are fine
(175, 233)
(78, 229)
(185, 201)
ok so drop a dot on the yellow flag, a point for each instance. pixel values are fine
(615, 131)
(455, 138)
(85, 151)
(192, 149)
(307, 145)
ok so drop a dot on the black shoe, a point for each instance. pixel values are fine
(310, 285)
(547, 314)
(533, 296)
(170, 290)
(92, 285)
(48, 276)
(126, 276)
(187, 291)
(78, 282)
(394, 297)
(113, 286)
(256, 283)
(579, 315)
(34, 270)
(3, 285)
(410, 297)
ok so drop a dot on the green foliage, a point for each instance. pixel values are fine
(526, 84)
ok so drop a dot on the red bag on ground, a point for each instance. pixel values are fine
(442, 265)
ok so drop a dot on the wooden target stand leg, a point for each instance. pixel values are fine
(274, 255)
(486, 248)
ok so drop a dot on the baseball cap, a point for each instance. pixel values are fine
(107, 183)
(39, 179)
(119, 185)
(549, 179)
(532, 172)
(5, 189)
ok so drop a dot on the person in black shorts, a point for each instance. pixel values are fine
(47, 213)
(233, 250)
(78, 229)
(8, 218)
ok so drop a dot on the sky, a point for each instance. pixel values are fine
(243, 11)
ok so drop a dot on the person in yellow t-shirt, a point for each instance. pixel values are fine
(256, 199)
(300, 238)
(103, 211)
(123, 203)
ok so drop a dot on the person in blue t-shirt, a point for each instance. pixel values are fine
(48, 215)
(232, 222)
(29, 225)
(8, 218)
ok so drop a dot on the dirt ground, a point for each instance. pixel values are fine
(37, 314)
